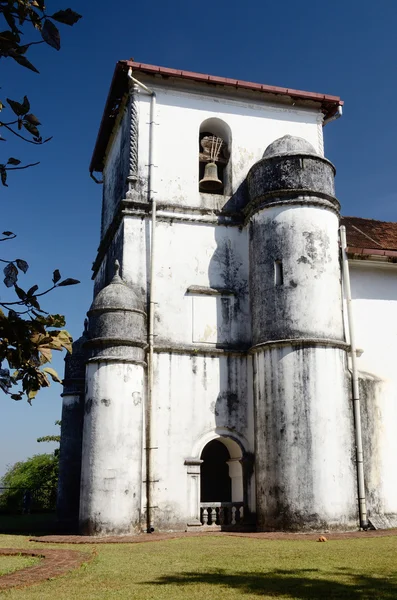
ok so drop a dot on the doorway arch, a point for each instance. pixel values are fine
(221, 473)
(215, 481)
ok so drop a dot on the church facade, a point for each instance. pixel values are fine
(237, 367)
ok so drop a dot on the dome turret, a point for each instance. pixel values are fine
(117, 319)
(291, 166)
(289, 144)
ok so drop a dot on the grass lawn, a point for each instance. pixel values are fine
(8, 564)
(224, 568)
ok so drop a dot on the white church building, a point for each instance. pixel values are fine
(238, 365)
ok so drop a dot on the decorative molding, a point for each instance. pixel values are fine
(289, 197)
(196, 349)
(300, 342)
(209, 291)
(133, 140)
(115, 359)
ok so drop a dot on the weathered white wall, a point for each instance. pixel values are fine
(196, 398)
(374, 293)
(115, 172)
(111, 474)
(308, 303)
(200, 255)
(304, 440)
(179, 114)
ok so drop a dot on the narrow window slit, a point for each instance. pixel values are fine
(278, 272)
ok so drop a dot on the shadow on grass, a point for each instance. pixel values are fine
(33, 524)
(297, 584)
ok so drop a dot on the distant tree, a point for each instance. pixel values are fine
(52, 438)
(37, 475)
(27, 333)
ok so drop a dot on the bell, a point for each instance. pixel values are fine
(210, 181)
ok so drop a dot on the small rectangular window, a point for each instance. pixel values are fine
(278, 272)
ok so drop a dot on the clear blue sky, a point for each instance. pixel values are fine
(347, 49)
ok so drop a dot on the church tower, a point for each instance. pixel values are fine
(213, 385)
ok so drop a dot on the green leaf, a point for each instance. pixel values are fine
(68, 281)
(24, 62)
(11, 275)
(56, 321)
(9, 38)
(32, 394)
(32, 119)
(56, 276)
(53, 374)
(68, 16)
(17, 107)
(20, 292)
(50, 34)
(32, 290)
(7, 233)
(17, 396)
(31, 128)
(22, 264)
(13, 161)
(26, 105)
(10, 20)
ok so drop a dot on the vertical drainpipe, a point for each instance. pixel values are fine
(362, 505)
(150, 434)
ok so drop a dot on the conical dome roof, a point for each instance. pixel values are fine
(289, 144)
(116, 296)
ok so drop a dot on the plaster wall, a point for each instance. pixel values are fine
(374, 293)
(111, 474)
(196, 255)
(115, 171)
(304, 440)
(253, 124)
(196, 398)
(307, 303)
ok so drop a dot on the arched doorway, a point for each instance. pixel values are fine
(221, 483)
(216, 485)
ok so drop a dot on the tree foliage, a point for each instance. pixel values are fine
(28, 334)
(31, 14)
(39, 475)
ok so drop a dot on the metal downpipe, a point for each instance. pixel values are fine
(150, 425)
(362, 505)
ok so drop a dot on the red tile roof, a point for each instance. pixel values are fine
(328, 104)
(369, 237)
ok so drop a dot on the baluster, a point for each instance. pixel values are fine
(204, 516)
(233, 515)
(241, 514)
(221, 516)
(213, 516)
(237, 514)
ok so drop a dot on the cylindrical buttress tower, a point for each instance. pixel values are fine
(68, 497)
(303, 429)
(111, 477)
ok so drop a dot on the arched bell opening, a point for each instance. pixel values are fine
(214, 157)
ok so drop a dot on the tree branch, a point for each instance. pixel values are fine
(23, 138)
(25, 167)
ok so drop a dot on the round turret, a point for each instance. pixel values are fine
(290, 164)
(117, 320)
